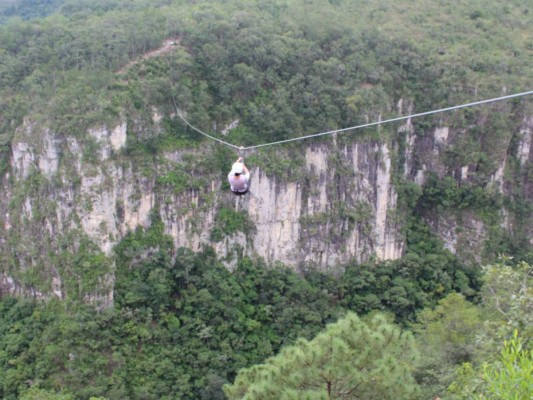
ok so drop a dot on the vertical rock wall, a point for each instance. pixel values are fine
(343, 208)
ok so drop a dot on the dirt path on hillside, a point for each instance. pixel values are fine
(168, 45)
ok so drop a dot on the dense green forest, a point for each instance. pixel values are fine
(182, 325)
(184, 328)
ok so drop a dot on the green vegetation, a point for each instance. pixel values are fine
(183, 326)
(180, 324)
(445, 194)
(179, 329)
(350, 359)
(28, 9)
(510, 376)
(447, 335)
(281, 69)
(228, 222)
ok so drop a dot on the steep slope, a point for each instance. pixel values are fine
(92, 147)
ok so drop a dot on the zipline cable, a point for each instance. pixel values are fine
(171, 72)
(392, 120)
(351, 128)
(200, 131)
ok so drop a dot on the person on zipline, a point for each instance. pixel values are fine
(239, 177)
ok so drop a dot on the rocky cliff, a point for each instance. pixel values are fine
(61, 193)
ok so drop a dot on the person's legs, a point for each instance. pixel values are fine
(240, 193)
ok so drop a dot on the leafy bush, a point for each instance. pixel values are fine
(228, 222)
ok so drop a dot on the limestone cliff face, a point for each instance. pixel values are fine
(332, 217)
(463, 232)
(342, 208)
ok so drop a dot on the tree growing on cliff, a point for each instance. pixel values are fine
(350, 359)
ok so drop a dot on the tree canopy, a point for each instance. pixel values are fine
(184, 326)
(351, 359)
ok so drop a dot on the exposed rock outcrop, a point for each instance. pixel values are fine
(343, 208)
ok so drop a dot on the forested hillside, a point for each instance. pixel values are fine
(384, 263)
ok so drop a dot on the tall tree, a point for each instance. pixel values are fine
(508, 297)
(446, 336)
(351, 359)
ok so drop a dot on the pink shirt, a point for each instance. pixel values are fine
(240, 183)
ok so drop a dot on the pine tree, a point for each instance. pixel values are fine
(351, 359)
